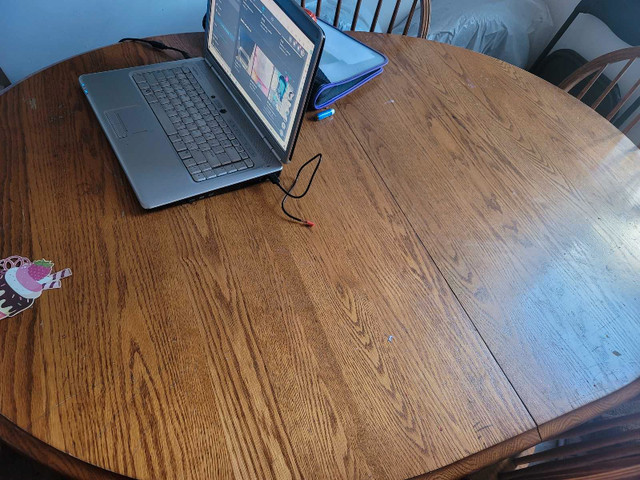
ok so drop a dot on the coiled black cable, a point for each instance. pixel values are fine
(287, 192)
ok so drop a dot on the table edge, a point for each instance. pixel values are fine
(43, 453)
(545, 431)
(69, 465)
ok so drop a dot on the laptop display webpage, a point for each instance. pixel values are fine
(266, 56)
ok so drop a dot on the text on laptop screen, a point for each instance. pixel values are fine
(266, 56)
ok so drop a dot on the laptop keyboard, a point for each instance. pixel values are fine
(203, 140)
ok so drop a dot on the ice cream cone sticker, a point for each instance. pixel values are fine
(21, 282)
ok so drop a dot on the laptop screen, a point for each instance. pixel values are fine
(266, 56)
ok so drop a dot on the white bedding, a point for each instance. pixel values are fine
(505, 29)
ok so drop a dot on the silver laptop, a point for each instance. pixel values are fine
(190, 128)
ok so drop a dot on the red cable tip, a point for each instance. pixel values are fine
(307, 223)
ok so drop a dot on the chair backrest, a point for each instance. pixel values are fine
(423, 25)
(619, 15)
(604, 449)
(594, 70)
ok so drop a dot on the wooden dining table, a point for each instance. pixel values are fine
(471, 286)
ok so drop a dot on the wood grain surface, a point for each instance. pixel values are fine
(219, 340)
(528, 203)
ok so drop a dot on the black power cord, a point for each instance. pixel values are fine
(155, 44)
(287, 192)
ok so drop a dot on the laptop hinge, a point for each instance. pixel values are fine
(269, 145)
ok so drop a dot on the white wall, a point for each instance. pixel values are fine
(591, 38)
(37, 33)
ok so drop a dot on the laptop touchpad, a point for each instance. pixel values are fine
(129, 120)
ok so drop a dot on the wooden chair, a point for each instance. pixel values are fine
(615, 14)
(423, 27)
(594, 69)
(606, 448)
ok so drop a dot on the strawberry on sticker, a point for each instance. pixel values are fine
(22, 281)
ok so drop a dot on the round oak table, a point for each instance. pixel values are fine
(471, 286)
